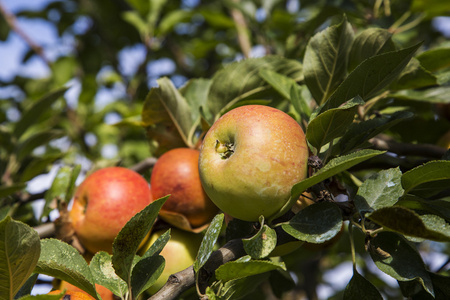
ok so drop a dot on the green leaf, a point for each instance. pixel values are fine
(332, 124)
(145, 273)
(238, 288)
(6, 190)
(38, 165)
(32, 114)
(435, 59)
(171, 19)
(19, 254)
(381, 189)
(440, 207)
(131, 235)
(158, 245)
(407, 222)
(136, 20)
(60, 260)
(103, 273)
(241, 80)
(430, 95)
(281, 83)
(431, 8)
(165, 104)
(371, 76)
(62, 187)
(394, 256)
(361, 288)
(241, 269)
(262, 243)
(333, 167)
(359, 133)
(368, 43)
(208, 242)
(300, 99)
(325, 61)
(27, 287)
(195, 91)
(41, 138)
(316, 223)
(414, 76)
(419, 177)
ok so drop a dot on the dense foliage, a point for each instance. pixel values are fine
(369, 82)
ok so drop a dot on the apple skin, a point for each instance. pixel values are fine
(104, 202)
(444, 141)
(249, 160)
(179, 253)
(72, 295)
(176, 173)
(101, 290)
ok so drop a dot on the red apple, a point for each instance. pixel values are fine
(250, 159)
(176, 173)
(104, 203)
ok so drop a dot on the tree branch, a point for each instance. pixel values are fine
(384, 142)
(11, 20)
(242, 31)
(181, 281)
(144, 165)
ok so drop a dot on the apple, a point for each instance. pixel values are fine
(72, 295)
(101, 290)
(179, 253)
(249, 160)
(176, 173)
(104, 202)
(444, 141)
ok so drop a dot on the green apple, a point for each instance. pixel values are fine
(179, 253)
(104, 202)
(249, 160)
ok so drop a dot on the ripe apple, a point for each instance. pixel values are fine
(176, 173)
(72, 295)
(180, 252)
(101, 290)
(249, 160)
(104, 202)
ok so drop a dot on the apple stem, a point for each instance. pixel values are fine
(224, 149)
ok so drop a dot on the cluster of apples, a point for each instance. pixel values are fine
(246, 166)
(108, 198)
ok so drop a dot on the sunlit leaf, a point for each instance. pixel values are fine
(371, 76)
(332, 168)
(393, 255)
(325, 61)
(19, 254)
(208, 242)
(130, 236)
(241, 269)
(368, 43)
(332, 124)
(382, 189)
(60, 260)
(316, 223)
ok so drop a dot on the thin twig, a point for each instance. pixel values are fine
(242, 31)
(383, 142)
(11, 20)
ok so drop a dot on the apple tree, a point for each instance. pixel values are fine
(367, 82)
